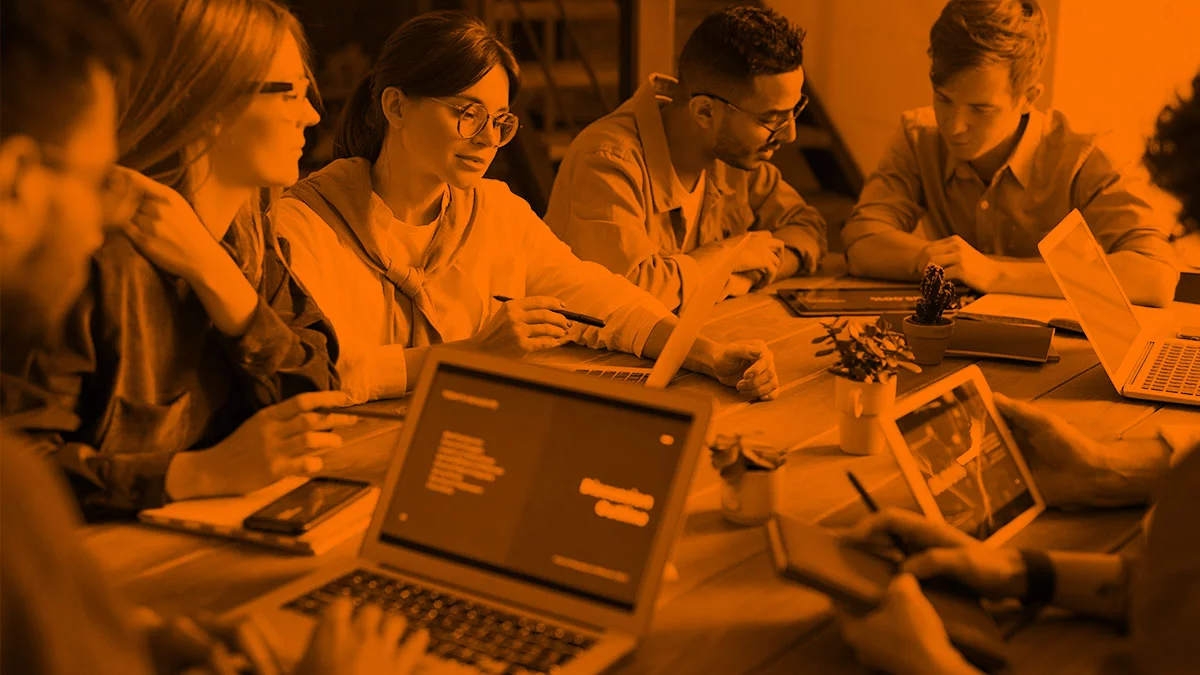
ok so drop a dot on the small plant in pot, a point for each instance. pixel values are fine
(865, 388)
(929, 332)
(748, 477)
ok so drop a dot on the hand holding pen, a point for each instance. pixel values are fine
(524, 325)
(570, 316)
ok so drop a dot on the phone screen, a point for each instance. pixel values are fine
(304, 505)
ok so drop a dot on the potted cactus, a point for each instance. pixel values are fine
(929, 332)
(865, 388)
(748, 477)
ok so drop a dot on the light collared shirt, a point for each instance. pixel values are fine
(617, 201)
(509, 252)
(1052, 170)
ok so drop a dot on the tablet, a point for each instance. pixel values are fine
(961, 462)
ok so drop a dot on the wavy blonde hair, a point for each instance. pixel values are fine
(202, 62)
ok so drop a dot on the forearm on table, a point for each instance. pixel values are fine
(1146, 281)
(226, 294)
(1024, 277)
(885, 255)
(701, 357)
(1093, 584)
(1132, 469)
(383, 371)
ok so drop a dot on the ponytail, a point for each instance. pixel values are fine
(360, 129)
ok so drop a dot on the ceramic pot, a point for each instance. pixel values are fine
(860, 405)
(928, 343)
(750, 499)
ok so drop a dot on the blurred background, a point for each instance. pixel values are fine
(1113, 65)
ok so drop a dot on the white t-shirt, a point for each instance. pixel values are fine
(690, 207)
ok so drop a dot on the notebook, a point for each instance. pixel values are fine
(223, 516)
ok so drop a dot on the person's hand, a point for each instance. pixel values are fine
(940, 550)
(166, 229)
(1071, 469)
(368, 645)
(739, 284)
(904, 635)
(746, 365)
(761, 253)
(265, 448)
(961, 262)
(809, 255)
(206, 643)
(523, 325)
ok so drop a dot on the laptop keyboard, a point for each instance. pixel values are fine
(488, 639)
(1176, 370)
(632, 376)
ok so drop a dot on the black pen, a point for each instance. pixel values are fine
(374, 414)
(571, 316)
(874, 508)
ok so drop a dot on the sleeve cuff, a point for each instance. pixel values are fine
(642, 321)
(853, 231)
(266, 342)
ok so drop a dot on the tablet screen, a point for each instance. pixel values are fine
(964, 462)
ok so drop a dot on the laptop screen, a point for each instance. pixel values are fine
(1093, 290)
(556, 488)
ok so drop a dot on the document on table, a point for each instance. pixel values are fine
(1055, 312)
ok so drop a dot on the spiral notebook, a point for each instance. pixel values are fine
(222, 517)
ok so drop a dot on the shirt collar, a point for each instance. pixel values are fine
(666, 190)
(1020, 162)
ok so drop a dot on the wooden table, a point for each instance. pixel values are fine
(728, 612)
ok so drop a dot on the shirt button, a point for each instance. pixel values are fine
(984, 205)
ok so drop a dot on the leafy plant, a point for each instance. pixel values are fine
(734, 455)
(937, 296)
(866, 353)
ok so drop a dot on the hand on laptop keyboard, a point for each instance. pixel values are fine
(367, 644)
(487, 639)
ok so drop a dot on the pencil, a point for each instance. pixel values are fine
(874, 508)
(570, 316)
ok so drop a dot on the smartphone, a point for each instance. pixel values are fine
(307, 506)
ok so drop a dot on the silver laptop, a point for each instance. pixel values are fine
(1143, 359)
(525, 520)
(692, 318)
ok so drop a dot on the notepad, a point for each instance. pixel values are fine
(223, 516)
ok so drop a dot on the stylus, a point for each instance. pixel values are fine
(874, 508)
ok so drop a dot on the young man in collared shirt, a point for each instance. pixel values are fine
(658, 189)
(991, 175)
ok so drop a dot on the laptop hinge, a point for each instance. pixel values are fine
(1137, 367)
(497, 601)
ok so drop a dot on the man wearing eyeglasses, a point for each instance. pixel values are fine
(658, 189)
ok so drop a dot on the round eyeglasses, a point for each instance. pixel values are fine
(474, 117)
(776, 129)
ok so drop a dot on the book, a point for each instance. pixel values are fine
(222, 517)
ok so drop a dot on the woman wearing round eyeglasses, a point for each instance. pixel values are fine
(404, 245)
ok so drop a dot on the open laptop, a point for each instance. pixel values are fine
(691, 319)
(525, 520)
(1143, 360)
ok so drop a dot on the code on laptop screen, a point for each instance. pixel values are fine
(556, 488)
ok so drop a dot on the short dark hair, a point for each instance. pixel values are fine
(737, 43)
(975, 33)
(47, 48)
(435, 54)
(1173, 154)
